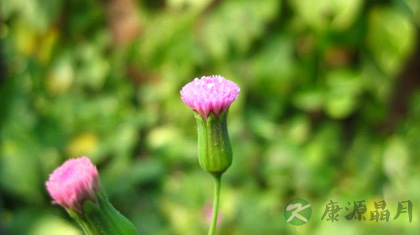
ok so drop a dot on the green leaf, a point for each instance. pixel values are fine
(391, 38)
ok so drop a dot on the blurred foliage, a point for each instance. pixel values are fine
(329, 109)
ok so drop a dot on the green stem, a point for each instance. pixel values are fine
(85, 227)
(101, 218)
(217, 182)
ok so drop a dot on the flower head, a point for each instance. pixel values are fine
(212, 94)
(73, 182)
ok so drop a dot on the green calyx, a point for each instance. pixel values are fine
(214, 149)
(101, 218)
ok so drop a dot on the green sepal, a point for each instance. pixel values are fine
(214, 149)
(101, 218)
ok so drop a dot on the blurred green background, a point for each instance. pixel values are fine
(329, 110)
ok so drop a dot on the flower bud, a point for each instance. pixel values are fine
(210, 98)
(73, 182)
(75, 186)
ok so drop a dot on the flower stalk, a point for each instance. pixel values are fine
(217, 181)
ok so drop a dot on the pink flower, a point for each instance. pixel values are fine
(73, 182)
(212, 94)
